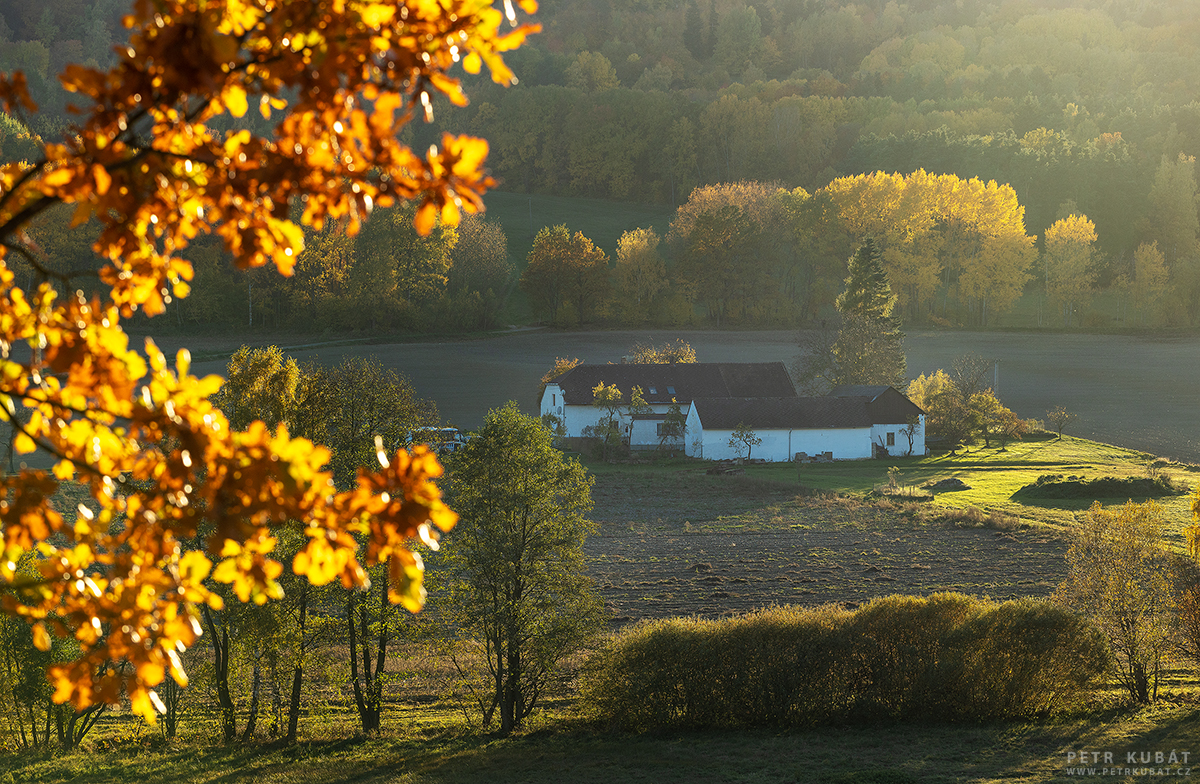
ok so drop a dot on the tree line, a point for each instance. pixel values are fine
(954, 251)
(969, 89)
(388, 277)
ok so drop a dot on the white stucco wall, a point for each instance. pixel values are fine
(644, 435)
(848, 444)
(777, 445)
(552, 401)
(900, 448)
(780, 446)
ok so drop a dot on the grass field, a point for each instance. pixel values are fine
(566, 751)
(603, 222)
(757, 542)
(993, 475)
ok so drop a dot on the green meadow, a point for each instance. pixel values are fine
(417, 751)
(601, 220)
(994, 475)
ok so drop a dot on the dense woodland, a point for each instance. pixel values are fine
(1086, 108)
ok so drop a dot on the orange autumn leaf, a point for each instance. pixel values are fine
(141, 436)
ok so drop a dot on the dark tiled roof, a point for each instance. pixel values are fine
(859, 390)
(783, 413)
(684, 383)
(886, 405)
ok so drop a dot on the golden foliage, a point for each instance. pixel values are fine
(929, 225)
(161, 463)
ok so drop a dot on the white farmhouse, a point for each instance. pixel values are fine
(569, 397)
(851, 423)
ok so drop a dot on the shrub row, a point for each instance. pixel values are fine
(1055, 486)
(946, 657)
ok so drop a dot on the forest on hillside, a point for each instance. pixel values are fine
(1084, 108)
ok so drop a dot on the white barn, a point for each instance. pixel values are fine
(569, 397)
(851, 423)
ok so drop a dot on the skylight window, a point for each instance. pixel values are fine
(670, 390)
(653, 390)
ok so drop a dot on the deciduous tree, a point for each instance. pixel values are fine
(480, 258)
(949, 417)
(1149, 278)
(154, 453)
(564, 270)
(1117, 577)
(640, 275)
(674, 427)
(743, 437)
(674, 352)
(608, 428)
(1069, 259)
(723, 262)
(562, 365)
(1058, 418)
(515, 567)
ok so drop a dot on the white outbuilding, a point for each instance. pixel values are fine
(851, 423)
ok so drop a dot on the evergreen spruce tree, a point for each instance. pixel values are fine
(868, 293)
(869, 346)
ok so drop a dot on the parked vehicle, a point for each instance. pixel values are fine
(443, 440)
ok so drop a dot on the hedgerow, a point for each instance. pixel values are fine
(946, 657)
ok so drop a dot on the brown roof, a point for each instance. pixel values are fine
(683, 382)
(783, 413)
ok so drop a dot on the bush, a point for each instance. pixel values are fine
(946, 657)
(1055, 486)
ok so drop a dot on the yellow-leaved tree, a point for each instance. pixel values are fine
(940, 230)
(160, 463)
(1069, 264)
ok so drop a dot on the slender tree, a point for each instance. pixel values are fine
(515, 569)
(1117, 578)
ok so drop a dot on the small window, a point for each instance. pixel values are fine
(660, 429)
(670, 390)
(891, 439)
(653, 390)
(553, 399)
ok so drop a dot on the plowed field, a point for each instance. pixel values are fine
(684, 543)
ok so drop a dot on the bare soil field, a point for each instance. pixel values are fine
(685, 543)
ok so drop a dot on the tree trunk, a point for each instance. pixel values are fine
(172, 697)
(381, 651)
(298, 672)
(78, 726)
(358, 692)
(255, 688)
(370, 721)
(221, 673)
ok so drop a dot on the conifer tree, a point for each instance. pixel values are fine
(868, 293)
(870, 346)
